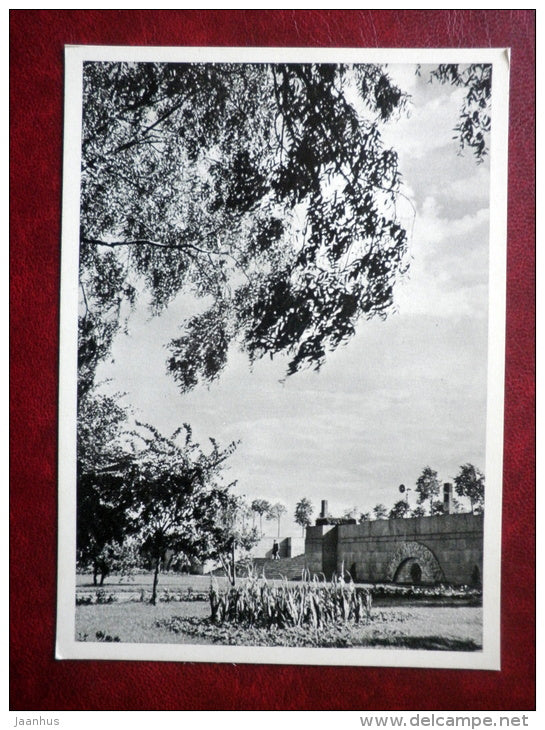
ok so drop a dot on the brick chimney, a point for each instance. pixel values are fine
(324, 511)
(447, 491)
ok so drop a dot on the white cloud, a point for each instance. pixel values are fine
(428, 127)
(431, 228)
(448, 276)
(474, 188)
(403, 74)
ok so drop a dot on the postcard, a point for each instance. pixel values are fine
(282, 355)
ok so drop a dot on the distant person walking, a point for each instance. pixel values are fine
(275, 550)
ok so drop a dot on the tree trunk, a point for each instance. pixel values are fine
(279, 527)
(153, 600)
(233, 565)
(226, 565)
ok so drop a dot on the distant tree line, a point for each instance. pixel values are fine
(468, 483)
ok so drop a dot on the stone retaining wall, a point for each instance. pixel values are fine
(446, 549)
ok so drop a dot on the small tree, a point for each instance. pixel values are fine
(303, 513)
(380, 512)
(427, 486)
(175, 489)
(227, 534)
(104, 519)
(277, 510)
(245, 513)
(364, 517)
(455, 506)
(437, 507)
(263, 508)
(418, 511)
(470, 483)
(352, 513)
(399, 510)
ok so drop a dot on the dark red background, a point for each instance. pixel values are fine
(38, 682)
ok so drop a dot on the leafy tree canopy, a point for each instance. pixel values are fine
(303, 513)
(175, 486)
(227, 532)
(470, 483)
(265, 190)
(399, 510)
(277, 510)
(427, 485)
(263, 508)
(380, 512)
(473, 128)
(103, 505)
(437, 507)
(163, 490)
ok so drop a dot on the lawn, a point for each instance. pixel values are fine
(136, 622)
(134, 583)
(186, 621)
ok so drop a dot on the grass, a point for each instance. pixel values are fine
(173, 581)
(447, 627)
(455, 629)
(136, 622)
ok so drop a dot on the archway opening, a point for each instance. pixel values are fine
(406, 555)
(409, 572)
(416, 573)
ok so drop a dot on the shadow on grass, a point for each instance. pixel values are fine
(343, 636)
(430, 643)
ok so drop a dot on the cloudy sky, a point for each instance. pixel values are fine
(403, 394)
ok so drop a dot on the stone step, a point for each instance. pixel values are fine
(289, 568)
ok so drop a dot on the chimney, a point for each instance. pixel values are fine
(447, 491)
(324, 512)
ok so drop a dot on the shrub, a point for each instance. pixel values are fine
(103, 597)
(99, 636)
(84, 600)
(100, 597)
(425, 591)
(255, 602)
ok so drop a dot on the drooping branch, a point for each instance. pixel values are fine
(156, 244)
(246, 153)
(84, 298)
(145, 131)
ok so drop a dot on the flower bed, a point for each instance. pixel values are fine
(256, 602)
(100, 596)
(440, 595)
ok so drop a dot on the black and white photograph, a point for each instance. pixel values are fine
(282, 348)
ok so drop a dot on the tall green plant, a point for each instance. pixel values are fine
(312, 603)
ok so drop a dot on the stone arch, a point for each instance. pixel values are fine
(409, 553)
